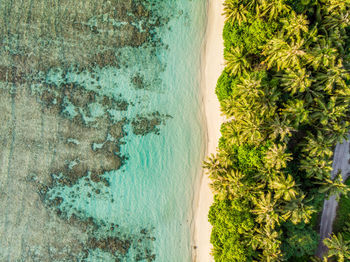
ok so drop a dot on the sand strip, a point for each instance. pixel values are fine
(212, 66)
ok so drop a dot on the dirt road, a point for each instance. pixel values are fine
(340, 162)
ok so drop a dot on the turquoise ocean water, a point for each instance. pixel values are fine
(102, 129)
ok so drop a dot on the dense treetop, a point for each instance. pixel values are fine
(285, 93)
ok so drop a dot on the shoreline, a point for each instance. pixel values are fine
(212, 65)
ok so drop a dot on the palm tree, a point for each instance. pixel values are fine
(323, 54)
(251, 130)
(255, 6)
(316, 167)
(319, 146)
(236, 61)
(213, 165)
(337, 37)
(218, 163)
(265, 210)
(336, 6)
(273, 8)
(272, 96)
(295, 25)
(271, 255)
(284, 187)
(347, 226)
(276, 157)
(328, 113)
(251, 98)
(264, 238)
(268, 240)
(230, 131)
(296, 81)
(251, 87)
(343, 94)
(229, 185)
(235, 11)
(309, 95)
(340, 20)
(280, 128)
(283, 54)
(337, 131)
(248, 130)
(296, 111)
(224, 158)
(297, 210)
(229, 107)
(335, 76)
(246, 97)
(335, 186)
(338, 247)
(241, 107)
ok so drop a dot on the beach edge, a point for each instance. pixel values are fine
(212, 65)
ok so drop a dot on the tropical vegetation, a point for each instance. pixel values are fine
(285, 94)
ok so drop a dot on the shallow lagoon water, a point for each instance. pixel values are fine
(102, 138)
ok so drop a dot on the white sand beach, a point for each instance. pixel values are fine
(212, 66)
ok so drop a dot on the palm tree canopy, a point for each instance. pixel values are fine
(296, 80)
(276, 157)
(296, 110)
(335, 186)
(297, 210)
(295, 25)
(235, 11)
(338, 247)
(284, 187)
(273, 8)
(236, 61)
(265, 210)
(283, 54)
(318, 146)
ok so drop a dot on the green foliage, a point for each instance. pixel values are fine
(300, 241)
(250, 157)
(334, 187)
(224, 86)
(250, 35)
(237, 61)
(286, 98)
(235, 12)
(338, 247)
(299, 6)
(231, 221)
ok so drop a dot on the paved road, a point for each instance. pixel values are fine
(340, 162)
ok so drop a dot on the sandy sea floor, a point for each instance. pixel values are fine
(101, 129)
